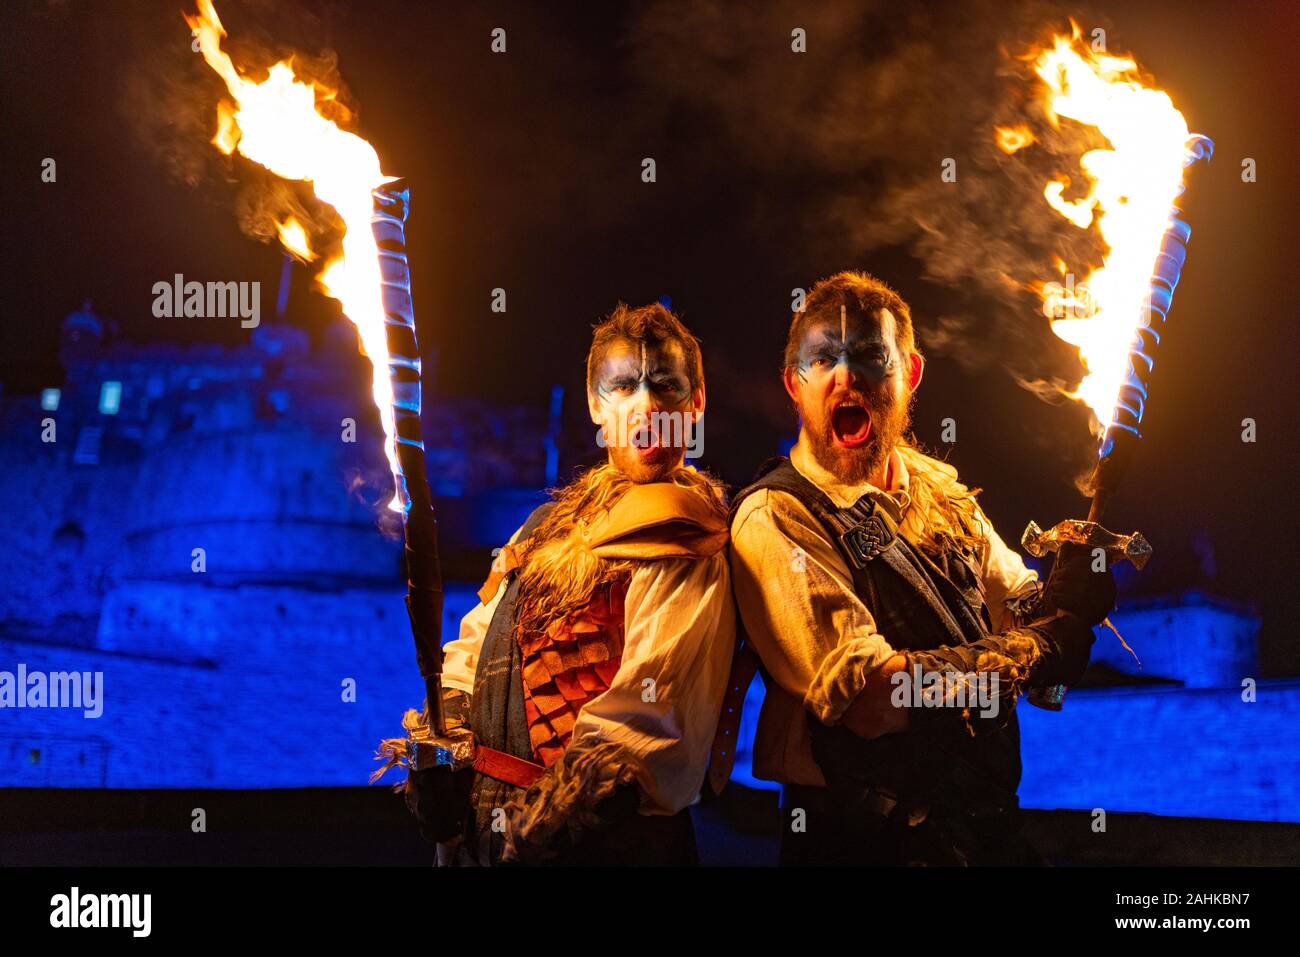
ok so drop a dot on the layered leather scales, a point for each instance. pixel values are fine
(572, 662)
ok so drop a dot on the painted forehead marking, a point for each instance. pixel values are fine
(872, 348)
(660, 371)
(870, 334)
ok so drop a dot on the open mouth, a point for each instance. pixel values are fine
(645, 440)
(851, 424)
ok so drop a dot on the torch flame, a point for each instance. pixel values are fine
(275, 123)
(294, 238)
(1132, 188)
(1012, 138)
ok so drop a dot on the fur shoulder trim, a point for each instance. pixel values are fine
(936, 470)
(944, 511)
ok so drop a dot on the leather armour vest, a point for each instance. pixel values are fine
(918, 602)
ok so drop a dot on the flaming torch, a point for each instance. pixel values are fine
(277, 124)
(1116, 317)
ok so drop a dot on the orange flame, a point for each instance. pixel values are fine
(1132, 188)
(294, 238)
(276, 123)
(1013, 138)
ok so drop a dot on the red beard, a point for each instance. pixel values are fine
(854, 443)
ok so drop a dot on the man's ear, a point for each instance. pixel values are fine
(787, 377)
(697, 402)
(916, 365)
(593, 407)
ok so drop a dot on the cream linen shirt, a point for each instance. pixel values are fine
(663, 704)
(816, 638)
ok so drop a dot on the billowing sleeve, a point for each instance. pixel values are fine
(460, 655)
(664, 701)
(1005, 573)
(800, 611)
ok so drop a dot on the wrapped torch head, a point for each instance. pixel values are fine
(1122, 432)
(1121, 435)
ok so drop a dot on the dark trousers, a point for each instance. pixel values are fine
(633, 839)
(836, 830)
(641, 840)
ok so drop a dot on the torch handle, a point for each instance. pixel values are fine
(1100, 499)
(423, 572)
(1104, 478)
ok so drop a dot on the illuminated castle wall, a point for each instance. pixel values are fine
(235, 676)
(232, 673)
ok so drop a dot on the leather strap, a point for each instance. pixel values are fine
(506, 767)
(506, 561)
(722, 756)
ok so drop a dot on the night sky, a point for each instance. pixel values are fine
(774, 169)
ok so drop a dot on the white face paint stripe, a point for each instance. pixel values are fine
(643, 361)
(844, 336)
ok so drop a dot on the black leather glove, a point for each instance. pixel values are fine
(1073, 586)
(1065, 645)
(438, 798)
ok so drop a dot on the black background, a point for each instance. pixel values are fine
(525, 171)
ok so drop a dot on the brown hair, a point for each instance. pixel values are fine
(861, 294)
(651, 324)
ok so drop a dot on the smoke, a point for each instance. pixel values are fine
(171, 95)
(866, 119)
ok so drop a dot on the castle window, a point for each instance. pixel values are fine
(69, 539)
(50, 399)
(110, 398)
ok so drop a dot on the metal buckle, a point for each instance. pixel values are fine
(866, 539)
(455, 750)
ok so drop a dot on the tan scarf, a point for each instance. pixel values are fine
(601, 526)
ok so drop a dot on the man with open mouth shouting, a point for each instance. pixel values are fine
(592, 672)
(894, 625)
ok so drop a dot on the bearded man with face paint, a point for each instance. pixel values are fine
(592, 672)
(895, 627)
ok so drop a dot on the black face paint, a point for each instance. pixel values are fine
(870, 357)
(657, 371)
(644, 397)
